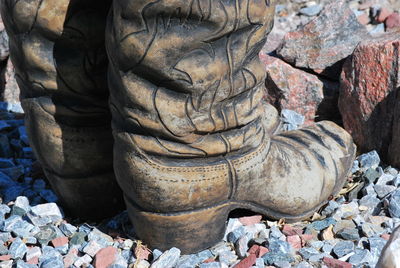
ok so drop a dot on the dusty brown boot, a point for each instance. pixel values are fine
(193, 139)
(57, 48)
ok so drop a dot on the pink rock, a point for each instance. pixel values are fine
(363, 19)
(70, 258)
(34, 261)
(385, 236)
(247, 262)
(305, 238)
(59, 241)
(370, 111)
(105, 257)
(11, 89)
(250, 220)
(297, 90)
(393, 21)
(290, 230)
(262, 252)
(383, 14)
(255, 249)
(333, 263)
(325, 41)
(5, 258)
(142, 252)
(294, 241)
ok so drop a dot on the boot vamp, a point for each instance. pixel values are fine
(298, 171)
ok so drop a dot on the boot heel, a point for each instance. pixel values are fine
(190, 231)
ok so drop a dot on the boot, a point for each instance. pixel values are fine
(193, 138)
(57, 48)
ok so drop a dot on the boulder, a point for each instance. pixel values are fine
(369, 101)
(294, 89)
(323, 43)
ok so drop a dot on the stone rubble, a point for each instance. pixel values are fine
(351, 230)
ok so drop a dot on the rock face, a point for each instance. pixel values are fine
(368, 97)
(294, 89)
(324, 42)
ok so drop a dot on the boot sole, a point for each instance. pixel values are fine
(196, 230)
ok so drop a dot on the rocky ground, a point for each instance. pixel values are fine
(350, 231)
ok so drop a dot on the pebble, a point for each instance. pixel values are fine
(168, 259)
(369, 160)
(311, 11)
(343, 247)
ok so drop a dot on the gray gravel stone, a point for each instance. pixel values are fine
(361, 256)
(307, 253)
(343, 247)
(17, 249)
(168, 259)
(369, 160)
(394, 204)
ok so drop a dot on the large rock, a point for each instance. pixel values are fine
(368, 97)
(305, 93)
(323, 43)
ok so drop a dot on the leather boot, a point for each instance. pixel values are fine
(193, 138)
(57, 48)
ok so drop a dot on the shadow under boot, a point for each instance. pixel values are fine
(193, 138)
(57, 48)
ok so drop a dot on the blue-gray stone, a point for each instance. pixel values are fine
(23, 135)
(54, 262)
(330, 208)
(202, 255)
(48, 195)
(46, 234)
(303, 264)
(369, 160)
(128, 256)
(3, 249)
(210, 265)
(5, 149)
(308, 252)
(22, 229)
(24, 162)
(4, 125)
(291, 119)
(15, 123)
(320, 225)
(311, 11)
(384, 190)
(8, 224)
(361, 256)
(370, 201)
(343, 248)
(270, 258)
(12, 192)
(349, 234)
(168, 259)
(188, 261)
(77, 238)
(394, 204)
(275, 232)
(6, 163)
(317, 244)
(23, 203)
(17, 249)
(379, 29)
(4, 209)
(6, 181)
(327, 248)
(22, 264)
(39, 184)
(234, 236)
(355, 167)
(27, 152)
(279, 246)
(376, 245)
(15, 108)
(85, 228)
(14, 172)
